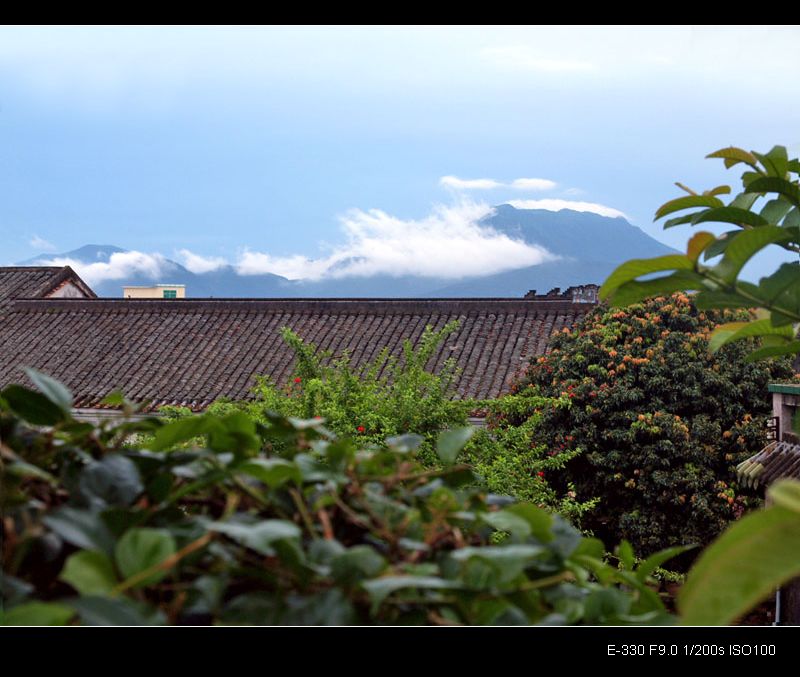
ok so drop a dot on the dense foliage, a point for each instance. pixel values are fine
(510, 458)
(390, 395)
(765, 216)
(98, 530)
(761, 551)
(662, 422)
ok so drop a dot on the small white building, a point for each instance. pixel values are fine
(156, 291)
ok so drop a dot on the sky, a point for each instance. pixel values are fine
(306, 151)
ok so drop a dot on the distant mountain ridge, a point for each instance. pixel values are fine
(590, 246)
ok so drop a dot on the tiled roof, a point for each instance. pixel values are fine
(193, 351)
(775, 461)
(29, 282)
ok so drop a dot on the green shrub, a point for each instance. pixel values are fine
(390, 395)
(331, 532)
(510, 460)
(662, 421)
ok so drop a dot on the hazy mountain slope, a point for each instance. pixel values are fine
(589, 246)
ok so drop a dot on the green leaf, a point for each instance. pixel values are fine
(730, 215)
(625, 555)
(719, 190)
(775, 210)
(507, 561)
(786, 493)
(773, 184)
(746, 245)
(450, 442)
(23, 469)
(705, 300)
(379, 589)
(118, 611)
(89, 572)
(630, 270)
(31, 406)
(733, 331)
(503, 520)
(635, 291)
(182, 430)
(697, 244)
(53, 390)
(774, 351)
(540, 521)
(142, 548)
(37, 613)
(258, 536)
(742, 567)
(655, 560)
(357, 563)
(113, 480)
(273, 472)
(776, 162)
(734, 156)
(81, 528)
(687, 202)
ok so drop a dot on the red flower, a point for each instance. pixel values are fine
(297, 379)
(540, 473)
(361, 428)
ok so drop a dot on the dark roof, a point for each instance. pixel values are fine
(192, 351)
(30, 282)
(775, 461)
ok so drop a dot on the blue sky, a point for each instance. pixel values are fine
(270, 146)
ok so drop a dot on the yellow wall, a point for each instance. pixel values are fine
(154, 292)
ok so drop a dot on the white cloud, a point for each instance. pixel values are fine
(523, 57)
(469, 184)
(200, 264)
(490, 184)
(120, 265)
(450, 243)
(41, 244)
(533, 184)
(555, 205)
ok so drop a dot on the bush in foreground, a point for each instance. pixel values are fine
(662, 421)
(100, 531)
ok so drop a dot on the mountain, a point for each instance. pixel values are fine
(589, 247)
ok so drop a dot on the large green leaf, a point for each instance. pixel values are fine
(746, 245)
(273, 472)
(635, 268)
(53, 390)
(773, 184)
(82, 528)
(635, 291)
(734, 331)
(776, 162)
(259, 536)
(687, 202)
(113, 480)
(786, 493)
(37, 613)
(734, 156)
(31, 406)
(380, 588)
(142, 548)
(775, 210)
(730, 215)
(357, 563)
(89, 572)
(183, 430)
(742, 567)
(506, 561)
(450, 442)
